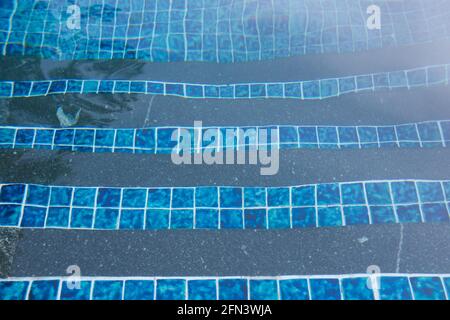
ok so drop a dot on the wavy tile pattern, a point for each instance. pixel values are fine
(212, 30)
(304, 90)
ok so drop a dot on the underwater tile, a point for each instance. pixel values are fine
(255, 219)
(263, 290)
(294, 289)
(279, 218)
(202, 289)
(82, 218)
(182, 219)
(254, 197)
(356, 215)
(357, 289)
(158, 198)
(230, 197)
(132, 219)
(44, 290)
(139, 290)
(427, 288)
(278, 197)
(13, 290)
(325, 289)
(303, 217)
(328, 194)
(231, 219)
(378, 193)
(206, 197)
(108, 197)
(233, 289)
(134, 198)
(329, 216)
(207, 218)
(170, 289)
(157, 219)
(382, 214)
(408, 213)
(182, 197)
(107, 290)
(394, 288)
(106, 218)
(80, 290)
(435, 212)
(404, 192)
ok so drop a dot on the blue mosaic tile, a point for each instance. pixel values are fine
(329, 216)
(357, 289)
(325, 289)
(202, 289)
(338, 204)
(408, 213)
(139, 290)
(232, 289)
(356, 215)
(13, 290)
(263, 290)
(107, 290)
(44, 290)
(427, 288)
(294, 289)
(106, 218)
(394, 288)
(230, 197)
(146, 140)
(170, 289)
(82, 292)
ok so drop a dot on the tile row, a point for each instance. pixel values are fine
(344, 287)
(308, 89)
(317, 205)
(213, 30)
(196, 139)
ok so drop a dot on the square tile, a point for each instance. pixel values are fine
(33, 217)
(132, 219)
(181, 219)
(134, 198)
(206, 218)
(183, 198)
(278, 197)
(427, 288)
(44, 290)
(12, 193)
(83, 292)
(13, 290)
(356, 215)
(108, 197)
(430, 191)
(404, 192)
(435, 212)
(202, 290)
(81, 218)
(254, 197)
(279, 218)
(157, 219)
(394, 288)
(329, 216)
(231, 219)
(106, 218)
(230, 197)
(58, 217)
(263, 290)
(357, 289)
(107, 290)
(233, 289)
(206, 197)
(171, 289)
(139, 290)
(353, 193)
(294, 289)
(38, 195)
(60, 196)
(325, 289)
(10, 214)
(378, 193)
(84, 197)
(255, 218)
(304, 196)
(303, 217)
(328, 194)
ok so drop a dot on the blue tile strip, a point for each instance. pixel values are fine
(157, 140)
(304, 89)
(316, 205)
(332, 287)
(213, 30)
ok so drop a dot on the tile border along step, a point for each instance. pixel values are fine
(304, 89)
(324, 287)
(158, 140)
(135, 208)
